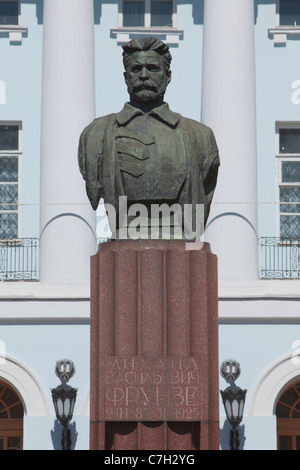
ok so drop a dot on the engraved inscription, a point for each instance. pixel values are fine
(150, 389)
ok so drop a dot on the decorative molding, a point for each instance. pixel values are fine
(15, 33)
(280, 34)
(26, 385)
(171, 35)
(277, 378)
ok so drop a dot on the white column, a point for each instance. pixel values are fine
(67, 222)
(229, 108)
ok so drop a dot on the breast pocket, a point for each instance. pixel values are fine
(132, 155)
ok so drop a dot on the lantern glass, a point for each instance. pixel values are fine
(242, 404)
(60, 407)
(228, 408)
(72, 405)
(64, 398)
(234, 400)
(67, 407)
(235, 408)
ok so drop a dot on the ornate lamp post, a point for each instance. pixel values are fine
(233, 399)
(64, 397)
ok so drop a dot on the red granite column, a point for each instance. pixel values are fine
(152, 330)
(154, 347)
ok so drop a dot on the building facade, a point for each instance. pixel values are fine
(235, 69)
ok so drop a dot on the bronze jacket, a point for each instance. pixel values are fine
(100, 166)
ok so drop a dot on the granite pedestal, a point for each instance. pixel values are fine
(154, 347)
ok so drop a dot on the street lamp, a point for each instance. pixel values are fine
(64, 397)
(233, 400)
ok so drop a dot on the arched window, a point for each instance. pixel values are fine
(288, 419)
(11, 418)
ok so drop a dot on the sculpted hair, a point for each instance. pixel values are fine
(147, 44)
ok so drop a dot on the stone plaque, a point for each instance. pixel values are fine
(150, 388)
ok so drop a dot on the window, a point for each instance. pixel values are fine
(133, 13)
(9, 12)
(149, 17)
(147, 13)
(289, 12)
(288, 422)
(9, 180)
(11, 418)
(287, 24)
(289, 181)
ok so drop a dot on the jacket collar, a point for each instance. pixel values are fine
(163, 112)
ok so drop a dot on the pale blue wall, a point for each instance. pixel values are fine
(276, 69)
(256, 347)
(45, 433)
(38, 347)
(21, 66)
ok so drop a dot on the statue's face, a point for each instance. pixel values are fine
(146, 76)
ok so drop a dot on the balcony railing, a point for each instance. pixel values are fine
(19, 259)
(279, 258)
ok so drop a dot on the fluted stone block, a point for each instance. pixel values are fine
(154, 347)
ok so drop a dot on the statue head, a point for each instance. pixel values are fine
(147, 69)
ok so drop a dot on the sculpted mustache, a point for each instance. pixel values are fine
(143, 86)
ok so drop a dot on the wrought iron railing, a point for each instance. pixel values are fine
(19, 259)
(279, 258)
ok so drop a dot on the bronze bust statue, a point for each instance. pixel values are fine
(147, 152)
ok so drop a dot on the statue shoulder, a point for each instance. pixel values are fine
(98, 126)
(202, 137)
(200, 129)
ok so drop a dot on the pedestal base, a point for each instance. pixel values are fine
(154, 347)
